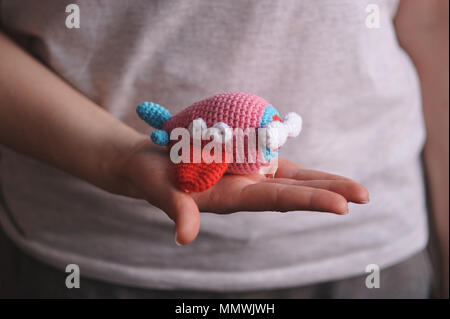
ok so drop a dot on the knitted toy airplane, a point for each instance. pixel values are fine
(222, 113)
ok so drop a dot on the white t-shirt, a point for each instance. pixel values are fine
(355, 88)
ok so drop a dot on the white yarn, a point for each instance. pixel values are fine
(224, 130)
(197, 127)
(294, 123)
(220, 131)
(277, 132)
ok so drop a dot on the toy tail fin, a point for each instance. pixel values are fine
(155, 115)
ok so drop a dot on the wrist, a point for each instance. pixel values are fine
(113, 158)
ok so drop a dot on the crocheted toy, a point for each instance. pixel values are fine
(217, 117)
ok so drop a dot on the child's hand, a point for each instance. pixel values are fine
(56, 124)
(146, 172)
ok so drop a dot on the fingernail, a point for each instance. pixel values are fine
(365, 201)
(176, 240)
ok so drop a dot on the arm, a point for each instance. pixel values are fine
(422, 29)
(43, 117)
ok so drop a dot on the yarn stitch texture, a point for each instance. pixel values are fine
(235, 109)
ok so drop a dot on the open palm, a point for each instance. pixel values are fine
(147, 173)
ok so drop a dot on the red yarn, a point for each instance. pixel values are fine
(198, 177)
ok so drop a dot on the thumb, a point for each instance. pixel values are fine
(183, 210)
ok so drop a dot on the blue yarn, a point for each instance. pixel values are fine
(270, 155)
(155, 115)
(160, 137)
(267, 117)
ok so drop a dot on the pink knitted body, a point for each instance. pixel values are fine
(211, 119)
(237, 110)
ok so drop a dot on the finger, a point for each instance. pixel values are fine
(179, 206)
(282, 197)
(287, 169)
(352, 191)
(183, 210)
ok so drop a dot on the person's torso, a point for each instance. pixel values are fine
(355, 88)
